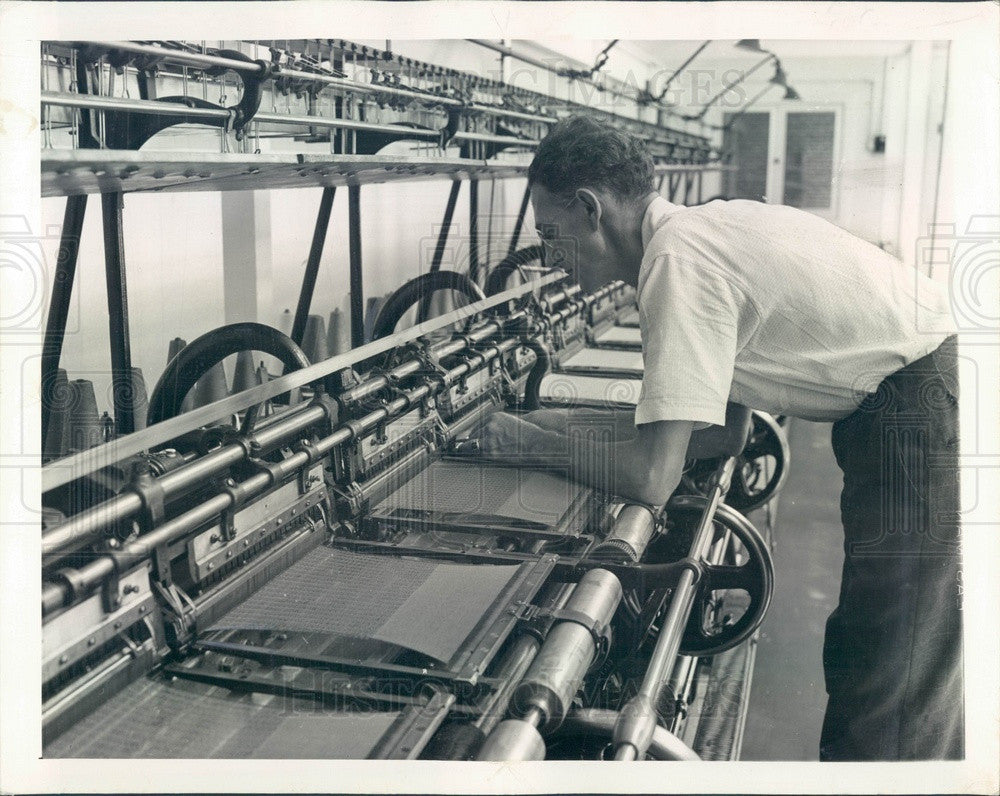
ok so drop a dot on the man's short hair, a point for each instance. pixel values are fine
(584, 152)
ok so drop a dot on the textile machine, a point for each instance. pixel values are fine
(337, 577)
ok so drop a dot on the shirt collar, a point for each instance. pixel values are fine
(657, 213)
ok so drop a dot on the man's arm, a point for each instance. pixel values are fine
(646, 468)
(620, 421)
(727, 440)
(706, 443)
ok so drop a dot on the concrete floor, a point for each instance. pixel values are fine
(787, 697)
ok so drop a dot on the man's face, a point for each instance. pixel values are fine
(570, 240)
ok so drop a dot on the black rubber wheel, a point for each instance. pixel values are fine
(416, 291)
(762, 465)
(749, 584)
(496, 281)
(200, 355)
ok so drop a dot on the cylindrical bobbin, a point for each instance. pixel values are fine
(560, 666)
(627, 541)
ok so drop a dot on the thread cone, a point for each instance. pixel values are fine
(174, 348)
(314, 339)
(211, 387)
(245, 376)
(335, 333)
(60, 400)
(285, 321)
(84, 419)
(140, 399)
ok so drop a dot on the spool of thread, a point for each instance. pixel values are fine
(140, 399)
(373, 305)
(174, 348)
(335, 333)
(59, 397)
(245, 376)
(84, 420)
(211, 387)
(285, 321)
(314, 339)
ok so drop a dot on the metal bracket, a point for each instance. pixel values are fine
(351, 498)
(150, 494)
(111, 596)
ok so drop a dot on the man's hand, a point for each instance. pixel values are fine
(505, 435)
(502, 434)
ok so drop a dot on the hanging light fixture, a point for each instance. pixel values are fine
(704, 109)
(779, 78)
(753, 45)
(791, 94)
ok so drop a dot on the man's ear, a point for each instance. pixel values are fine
(592, 204)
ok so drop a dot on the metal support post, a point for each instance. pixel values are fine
(520, 220)
(474, 230)
(442, 241)
(312, 264)
(62, 293)
(121, 353)
(357, 288)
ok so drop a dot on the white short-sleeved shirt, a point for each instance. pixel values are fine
(773, 308)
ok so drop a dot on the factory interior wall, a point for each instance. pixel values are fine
(185, 251)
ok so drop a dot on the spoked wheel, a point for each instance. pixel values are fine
(518, 262)
(528, 263)
(732, 595)
(761, 467)
(198, 357)
(419, 291)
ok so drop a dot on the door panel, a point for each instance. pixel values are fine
(809, 145)
(747, 140)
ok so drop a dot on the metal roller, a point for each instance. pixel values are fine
(569, 649)
(633, 528)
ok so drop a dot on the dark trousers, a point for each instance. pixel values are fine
(893, 650)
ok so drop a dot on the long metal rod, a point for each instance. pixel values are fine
(522, 211)
(474, 229)
(159, 108)
(668, 641)
(59, 302)
(442, 241)
(121, 347)
(312, 264)
(357, 273)
(179, 56)
(65, 470)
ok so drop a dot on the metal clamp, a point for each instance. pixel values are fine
(151, 496)
(111, 597)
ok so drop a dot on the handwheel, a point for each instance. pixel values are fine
(705, 633)
(760, 471)
(762, 465)
(417, 291)
(198, 357)
(496, 281)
